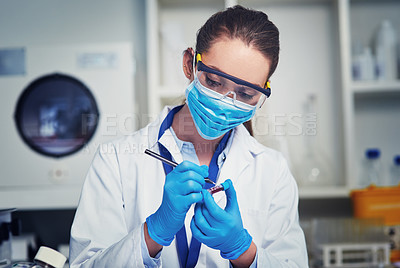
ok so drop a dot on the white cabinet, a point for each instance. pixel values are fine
(172, 25)
(315, 59)
(371, 108)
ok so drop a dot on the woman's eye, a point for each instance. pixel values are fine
(212, 83)
(244, 95)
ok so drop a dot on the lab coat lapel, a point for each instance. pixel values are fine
(168, 141)
(154, 128)
(238, 158)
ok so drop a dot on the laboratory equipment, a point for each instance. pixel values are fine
(23, 246)
(367, 65)
(386, 51)
(364, 65)
(348, 242)
(383, 203)
(371, 172)
(5, 238)
(66, 115)
(45, 258)
(377, 202)
(395, 171)
(356, 61)
(169, 162)
(314, 168)
(8, 228)
(394, 235)
(356, 255)
(218, 188)
(54, 182)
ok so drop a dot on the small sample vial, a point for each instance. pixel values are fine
(45, 258)
(395, 171)
(372, 168)
(218, 188)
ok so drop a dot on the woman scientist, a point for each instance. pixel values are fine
(135, 211)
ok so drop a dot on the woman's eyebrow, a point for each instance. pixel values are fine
(218, 69)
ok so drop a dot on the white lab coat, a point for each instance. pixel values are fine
(124, 186)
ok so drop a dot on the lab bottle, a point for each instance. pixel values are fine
(363, 65)
(314, 169)
(371, 168)
(45, 258)
(367, 65)
(395, 171)
(386, 52)
(356, 59)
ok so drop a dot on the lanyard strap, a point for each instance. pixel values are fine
(188, 257)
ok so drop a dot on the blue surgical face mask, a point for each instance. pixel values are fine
(215, 114)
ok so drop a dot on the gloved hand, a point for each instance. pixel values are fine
(182, 188)
(219, 228)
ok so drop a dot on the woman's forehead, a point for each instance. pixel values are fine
(234, 57)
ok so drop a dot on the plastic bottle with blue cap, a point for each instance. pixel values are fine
(395, 171)
(371, 168)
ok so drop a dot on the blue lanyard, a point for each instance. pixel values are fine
(188, 257)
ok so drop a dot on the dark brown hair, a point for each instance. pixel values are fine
(251, 26)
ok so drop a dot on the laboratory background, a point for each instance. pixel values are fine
(75, 74)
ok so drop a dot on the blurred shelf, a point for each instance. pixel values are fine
(324, 192)
(372, 87)
(40, 197)
(372, 1)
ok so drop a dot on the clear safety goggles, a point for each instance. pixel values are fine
(229, 86)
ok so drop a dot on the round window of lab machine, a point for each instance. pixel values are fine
(56, 115)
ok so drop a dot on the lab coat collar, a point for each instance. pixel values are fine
(154, 127)
(168, 141)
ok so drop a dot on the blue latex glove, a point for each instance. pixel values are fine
(219, 228)
(182, 188)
